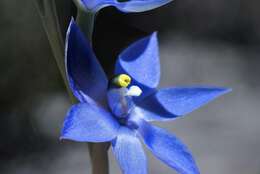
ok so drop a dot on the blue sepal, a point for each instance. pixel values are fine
(86, 77)
(141, 62)
(89, 123)
(129, 152)
(168, 148)
(170, 103)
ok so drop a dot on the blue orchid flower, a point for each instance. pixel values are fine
(128, 6)
(120, 110)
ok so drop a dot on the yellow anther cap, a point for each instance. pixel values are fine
(122, 80)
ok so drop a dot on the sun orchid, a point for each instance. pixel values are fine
(120, 110)
(127, 6)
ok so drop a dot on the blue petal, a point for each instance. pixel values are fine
(170, 103)
(129, 152)
(141, 62)
(129, 6)
(89, 123)
(86, 77)
(168, 148)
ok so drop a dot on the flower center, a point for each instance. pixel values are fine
(120, 97)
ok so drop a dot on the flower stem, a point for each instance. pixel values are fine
(86, 21)
(49, 17)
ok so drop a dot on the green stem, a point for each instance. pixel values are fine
(86, 21)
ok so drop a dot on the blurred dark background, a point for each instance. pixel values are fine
(214, 42)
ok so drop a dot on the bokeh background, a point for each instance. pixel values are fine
(213, 42)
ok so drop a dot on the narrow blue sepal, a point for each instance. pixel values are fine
(89, 123)
(86, 76)
(129, 6)
(129, 152)
(168, 148)
(141, 62)
(170, 103)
